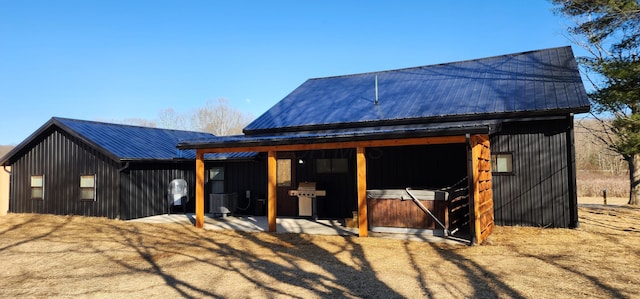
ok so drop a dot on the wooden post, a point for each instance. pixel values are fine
(271, 190)
(199, 189)
(361, 162)
(482, 197)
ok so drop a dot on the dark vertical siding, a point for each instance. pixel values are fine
(341, 198)
(241, 176)
(144, 185)
(62, 159)
(425, 166)
(538, 192)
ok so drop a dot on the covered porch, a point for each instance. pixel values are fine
(480, 215)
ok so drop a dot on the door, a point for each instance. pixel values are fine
(285, 181)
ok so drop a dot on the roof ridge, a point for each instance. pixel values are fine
(440, 64)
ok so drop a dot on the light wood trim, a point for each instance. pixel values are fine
(361, 162)
(271, 190)
(338, 145)
(483, 193)
(199, 189)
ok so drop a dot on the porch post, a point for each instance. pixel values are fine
(199, 189)
(271, 190)
(361, 162)
(482, 193)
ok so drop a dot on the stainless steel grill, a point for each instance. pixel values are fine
(307, 194)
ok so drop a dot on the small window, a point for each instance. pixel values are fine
(502, 163)
(37, 186)
(216, 176)
(328, 166)
(87, 187)
(323, 166)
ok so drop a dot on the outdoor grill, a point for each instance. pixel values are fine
(307, 194)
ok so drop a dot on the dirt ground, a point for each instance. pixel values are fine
(58, 256)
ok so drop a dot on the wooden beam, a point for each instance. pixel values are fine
(272, 202)
(361, 162)
(338, 145)
(199, 189)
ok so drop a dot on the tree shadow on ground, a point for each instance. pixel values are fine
(485, 283)
(281, 260)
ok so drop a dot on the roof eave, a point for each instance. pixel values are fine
(276, 141)
(409, 121)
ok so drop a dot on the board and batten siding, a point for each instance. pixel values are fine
(145, 186)
(242, 176)
(62, 159)
(541, 190)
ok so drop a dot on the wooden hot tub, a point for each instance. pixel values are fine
(387, 209)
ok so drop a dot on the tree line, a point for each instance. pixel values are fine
(216, 117)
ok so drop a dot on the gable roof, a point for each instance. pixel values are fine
(522, 84)
(122, 142)
(131, 142)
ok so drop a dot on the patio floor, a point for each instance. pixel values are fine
(258, 224)
(284, 225)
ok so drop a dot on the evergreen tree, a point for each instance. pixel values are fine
(610, 31)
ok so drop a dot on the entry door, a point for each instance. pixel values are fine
(285, 181)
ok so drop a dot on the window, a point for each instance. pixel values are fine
(328, 166)
(502, 163)
(216, 176)
(37, 186)
(87, 187)
(283, 176)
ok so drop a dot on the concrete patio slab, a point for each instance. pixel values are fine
(285, 225)
(258, 224)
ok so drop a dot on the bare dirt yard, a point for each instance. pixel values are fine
(58, 256)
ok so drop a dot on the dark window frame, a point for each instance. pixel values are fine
(217, 179)
(494, 161)
(84, 188)
(33, 188)
(335, 166)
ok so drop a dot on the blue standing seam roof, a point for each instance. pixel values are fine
(537, 81)
(136, 143)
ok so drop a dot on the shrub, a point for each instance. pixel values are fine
(590, 184)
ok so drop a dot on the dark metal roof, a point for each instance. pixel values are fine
(532, 83)
(355, 134)
(132, 142)
(125, 142)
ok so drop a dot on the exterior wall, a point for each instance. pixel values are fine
(423, 166)
(241, 176)
(62, 159)
(4, 191)
(340, 200)
(144, 187)
(541, 190)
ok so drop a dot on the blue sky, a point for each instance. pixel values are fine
(117, 59)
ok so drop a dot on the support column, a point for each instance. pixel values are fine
(361, 162)
(271, 190)
(482, 192)
(199, 189)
